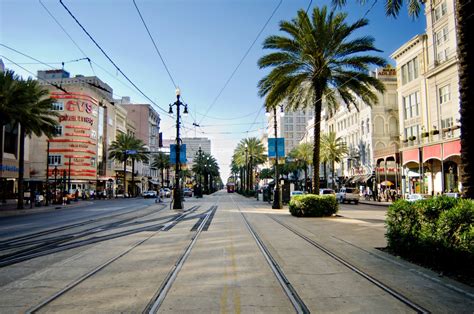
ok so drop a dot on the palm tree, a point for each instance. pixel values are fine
(249, 153)
(10, 92)
(464, 18)
(319, 58)
(118, 151)
(30, 108)
(161, 162)
(303, 153)
(335, 149)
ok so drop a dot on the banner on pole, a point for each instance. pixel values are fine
(280, 143)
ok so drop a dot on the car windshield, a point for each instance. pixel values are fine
(350, 190)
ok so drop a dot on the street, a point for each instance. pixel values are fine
(223, 253)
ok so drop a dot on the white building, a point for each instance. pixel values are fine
(429, 104)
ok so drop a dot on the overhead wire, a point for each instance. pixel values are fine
(240, 62)
(110, 59)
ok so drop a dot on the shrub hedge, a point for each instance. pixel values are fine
(312, 205)
(437, 232)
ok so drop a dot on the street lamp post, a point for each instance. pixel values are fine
(69, 177)
(55, 182)
(246, 171)
(177, 200)
(277, 199)
(47, 175)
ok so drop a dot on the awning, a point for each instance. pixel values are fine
(366, 178)
(411, 155)
(432, 152)
(452, 149)
(155, 182)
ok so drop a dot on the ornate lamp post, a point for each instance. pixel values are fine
(277, 201)
(177, 199)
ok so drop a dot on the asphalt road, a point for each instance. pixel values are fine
(224, 253)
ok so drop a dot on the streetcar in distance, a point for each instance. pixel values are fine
(230, 187)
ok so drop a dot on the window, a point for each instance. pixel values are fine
(54, 159)
(58, 130)
(57, 106)
(411, 105)
(362, 128)
(411, 132)
(444, 94)
(447, 123)
(410, 71)
(440, 11)
(368, 126)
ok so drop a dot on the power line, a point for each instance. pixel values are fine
(240, 62)
(25, 69)
(64, 30)
(154, 44)
(111, 61)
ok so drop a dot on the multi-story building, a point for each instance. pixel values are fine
(429, 104)
(147, 122)
(192, 147)
(371, 136)
(291, 125)
(79, 150)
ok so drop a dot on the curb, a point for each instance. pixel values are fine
(375, 203)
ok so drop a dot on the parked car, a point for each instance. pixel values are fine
(187, 192)
(293, 193)
(348, 195)
(414, 197)
(167, 192)
(326, 191)
(452, 194)
(150, 194)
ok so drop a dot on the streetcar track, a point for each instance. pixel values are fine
(378, 283)
(97, 269)
(7, 242)
(58, 246)
(288, 288)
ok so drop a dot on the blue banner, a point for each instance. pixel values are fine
(182, 154)
(280, 141)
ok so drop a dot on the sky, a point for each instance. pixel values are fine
(205, 44)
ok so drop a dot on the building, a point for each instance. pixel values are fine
(147, 122)
(428, 93)
(78, 153)
(291, 125)
(192, 147)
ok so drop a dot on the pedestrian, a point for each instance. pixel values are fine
(64, 198)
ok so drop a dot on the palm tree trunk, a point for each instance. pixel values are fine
(325, 173)
(317, 139)
(162, 177)
(333, 181)
(125, 176)
(305, 176)
(464, 23)
(133, 178)
(21, 166)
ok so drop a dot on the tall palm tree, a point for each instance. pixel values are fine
(318, 58)
(161, 162)
(10, 93)
(335, 149)
(304, 154)
(249, 153)
(140, 155)
(464, 25)
(118, 151)
(32, 112)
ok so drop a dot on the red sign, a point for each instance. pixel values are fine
(73, 105)
(66, 117)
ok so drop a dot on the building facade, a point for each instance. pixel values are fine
(429, 104)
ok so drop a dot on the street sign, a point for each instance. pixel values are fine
(280, 141)
(182, 154)
(131, 152)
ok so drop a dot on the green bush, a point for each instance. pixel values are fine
(437, 232)
(312, 205)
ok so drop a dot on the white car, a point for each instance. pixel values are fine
(414, 197)
(150, 194)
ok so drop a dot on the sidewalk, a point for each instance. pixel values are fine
(9, 209)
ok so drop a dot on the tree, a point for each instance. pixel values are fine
(118, 151)
(28, 105)
(249, 153)
(206, 164)
(335, 149)
(161, 162)
(319, 59)
(303, 153)
(464, 24)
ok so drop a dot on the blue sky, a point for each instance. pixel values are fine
(201, 41)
